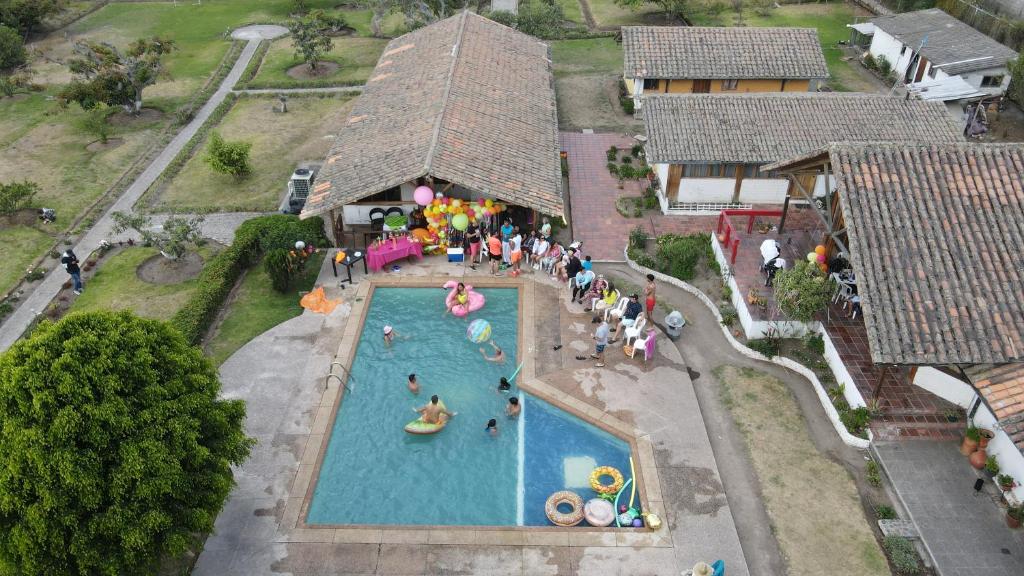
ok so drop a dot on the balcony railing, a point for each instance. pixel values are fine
(727, 234)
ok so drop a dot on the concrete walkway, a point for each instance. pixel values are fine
(48, 287)
(325, 89)
(964, 532)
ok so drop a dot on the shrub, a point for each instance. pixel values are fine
(16, 195)
(613, 168)
(252, 239)
(628, 106)
(729, 314)
(678, 255)
(650, 202)
(992, 465)
(117, 446)
(636, 150)
(6, 308)
(902, 554)
(228, 157)
(883, 66)
(612, 154)
(885, 512)
(972, 433)
(12, 48)
(767, 346)
(802, 291)
(815, 343)
(278, 268)
(856, 420)
(641, 258)
(869, 62)
(873, 474)
(638, 238)
(34, 274)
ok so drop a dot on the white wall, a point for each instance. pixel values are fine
(945, 386)
(661, 170)
(882, 44)
(763, 190)
(842, 375)
(1010, 458)
(360, 213)
(974, 79)
(706, 189)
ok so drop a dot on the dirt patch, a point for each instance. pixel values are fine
(145, 116)
(592, 101)
(100, 146)
(304, 72)
(812, 501)
(160, 270)
(23, 217)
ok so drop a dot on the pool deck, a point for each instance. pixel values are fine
(281, 374)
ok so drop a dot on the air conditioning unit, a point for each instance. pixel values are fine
(300, 184)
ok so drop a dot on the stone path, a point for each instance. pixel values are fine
(16, 324)
(965, 533)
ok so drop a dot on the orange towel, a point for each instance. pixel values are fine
(317, 301)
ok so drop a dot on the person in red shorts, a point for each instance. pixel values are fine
(649, 294)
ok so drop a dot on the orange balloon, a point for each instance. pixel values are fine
(819, 250)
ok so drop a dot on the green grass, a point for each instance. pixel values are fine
(117, 287)
(355, 56)
(19, 246)
(279, 142)
(393, 25)
(607, 13)
(257, 308)
(572, 11)
(590, 56)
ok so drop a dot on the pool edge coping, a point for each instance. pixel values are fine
(294, 528)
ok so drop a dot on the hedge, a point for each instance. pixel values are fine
(252, 239)
(290, 84)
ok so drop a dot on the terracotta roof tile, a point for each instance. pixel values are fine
(1002, 387)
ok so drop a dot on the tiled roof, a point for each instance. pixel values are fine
(762, 128)
(949, 44)
(1003, 390)
(464, 100)
(709, 53)
(936, 236)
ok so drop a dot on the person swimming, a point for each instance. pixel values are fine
(499, 356)
(492, 427)
(414, 386)
(504, 385)
(389, 335)
(432, 412)
(513, 409)
(461, 297)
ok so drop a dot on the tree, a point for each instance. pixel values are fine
(421, 12)
(105, 75)
(12, 49)
(379, 10)
(25, 15)
(311, 37)
(15, 195)
(228, 157)
(1016, 90)
(300, 6)
(802, 291)
(115, 448)
(671, 8)
(174, 238)
(94, 122)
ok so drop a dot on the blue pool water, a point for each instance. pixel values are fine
(375, 473)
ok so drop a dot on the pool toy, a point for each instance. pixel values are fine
(599, 512)
(479, 331)
(624, 519)
(653, 520)
(601, 488)
(418, 426)
(638, 523)
(632, 476)
(559, 518)
(476, 299)
(512, 378)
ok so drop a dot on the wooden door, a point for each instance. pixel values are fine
(675, 173)
(701, 86)
(921, 65)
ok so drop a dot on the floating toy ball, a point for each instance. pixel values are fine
(623, 508)
(633, 513)
(423, 195)
(653, 521)
(479, 331)
(625, 519)
(638, 523)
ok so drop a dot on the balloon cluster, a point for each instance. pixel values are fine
(444, 214)
(818, 257)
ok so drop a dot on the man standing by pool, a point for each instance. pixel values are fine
(432, 412)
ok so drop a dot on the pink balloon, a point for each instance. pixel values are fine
(423, 195)
(470, 212)
(821, 258)
(481, 201)
(445, 201)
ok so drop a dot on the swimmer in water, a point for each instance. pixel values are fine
(499, 356)
(432, 413)
(513, 409)
(461, 298)
(492, 427)
(504, 385)
(414, 386)
(389, 335)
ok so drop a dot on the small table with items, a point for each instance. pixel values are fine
(390, 250)
(349, 259)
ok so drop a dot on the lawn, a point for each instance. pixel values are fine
(116, 286)
(587, 74)
(608, 14)
(812, 501)
(393, 25)
(19, 246)
(256, 308)
(590, 56)
(829, 19)
(355, 56)
(572, 11)
(279, 142)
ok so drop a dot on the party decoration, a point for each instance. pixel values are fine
(488, 203)
(460, 222)
(821, 258)
(479, 331)
(819, 250)
(812, 257)
(423, 195)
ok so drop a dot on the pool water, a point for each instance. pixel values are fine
(373, 472)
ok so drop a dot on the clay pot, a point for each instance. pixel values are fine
(986, 436)
(977, 458)
(968, 446)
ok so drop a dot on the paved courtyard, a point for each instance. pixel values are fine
(281, 376)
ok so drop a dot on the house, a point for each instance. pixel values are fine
(707, 149)
(933, 233)
(464, 105)
(692, 59)
(930, 45)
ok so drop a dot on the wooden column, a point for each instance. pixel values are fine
(739, 183)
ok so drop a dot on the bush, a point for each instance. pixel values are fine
(903, 555)
(883, 66)
(612, 154)
(767, 346)
(873, 474)
(12, 49)
(5, 308)
(628, 106)
(677, 256)
(885, 512)
(641, 258)
(869, 62)
(729, 314)
(815, 343)
(856, 420)
(252, 239)
(802, 291)
(16, 195)
(278, 268)
(636, 150)
(228, 157)
(638, 238)
(116, 447)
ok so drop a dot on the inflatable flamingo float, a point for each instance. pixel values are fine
(476, 299)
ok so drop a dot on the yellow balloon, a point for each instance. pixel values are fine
(442, 208)
(443, 222)
(488, 203)
(456, 202)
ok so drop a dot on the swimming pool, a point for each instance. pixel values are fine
(373, 472)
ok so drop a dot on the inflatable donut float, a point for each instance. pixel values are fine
(476, 299)
(602, 488)
(559, 518)
(599, 512)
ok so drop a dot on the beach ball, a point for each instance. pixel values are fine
(625, 519)
(479, 331)
(812, 257)
(423, 195)
(460, 222)
(819, 250)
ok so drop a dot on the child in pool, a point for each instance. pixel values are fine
(499, 356)
(513, 409)
(504, 385)
(492, 427)
(414, 386)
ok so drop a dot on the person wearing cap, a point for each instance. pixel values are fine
(633, 309)
(389, 335)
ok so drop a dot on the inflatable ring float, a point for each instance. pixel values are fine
(559, 518)
(601, 488)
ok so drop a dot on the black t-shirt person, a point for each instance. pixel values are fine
(70, 262)
(573, 266)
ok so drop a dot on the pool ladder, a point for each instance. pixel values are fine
(342, 381)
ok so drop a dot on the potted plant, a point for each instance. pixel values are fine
(1014, 516)
(971, 439)
(985, 435)
(978, 458)
(1006, 482)
(991, 466)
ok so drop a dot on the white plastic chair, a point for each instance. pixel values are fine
(844, 293)
(617, 310)
(633, 332)
(641, 345)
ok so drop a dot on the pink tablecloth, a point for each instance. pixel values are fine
(378, 258)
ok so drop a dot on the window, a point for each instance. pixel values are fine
(751, 171)
(730, 84)
(389, 195)
(710, 170)
(903, 50)
(931, 71)
(650, 83)
(992, 81)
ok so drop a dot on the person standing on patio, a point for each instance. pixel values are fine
(70, 263)
(473, 240)
(600, 342)
(649, 298)
(494, 252)
(545, 229)
(506, 237)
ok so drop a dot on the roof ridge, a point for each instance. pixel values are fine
(456, 51)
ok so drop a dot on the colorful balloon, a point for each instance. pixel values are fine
(460, 222)
(456, 202)
(821, 258)
(480, 201)
(479, 331)
(812, 257)
(488, 203)
(819, 250)
(423, 195)
(442, 208)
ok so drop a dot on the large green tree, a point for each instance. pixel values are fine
(106, 75)
(671, 8)
(311, 36)
(114, 446)
(1016, 90)
(12, 49)
(26, 15)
